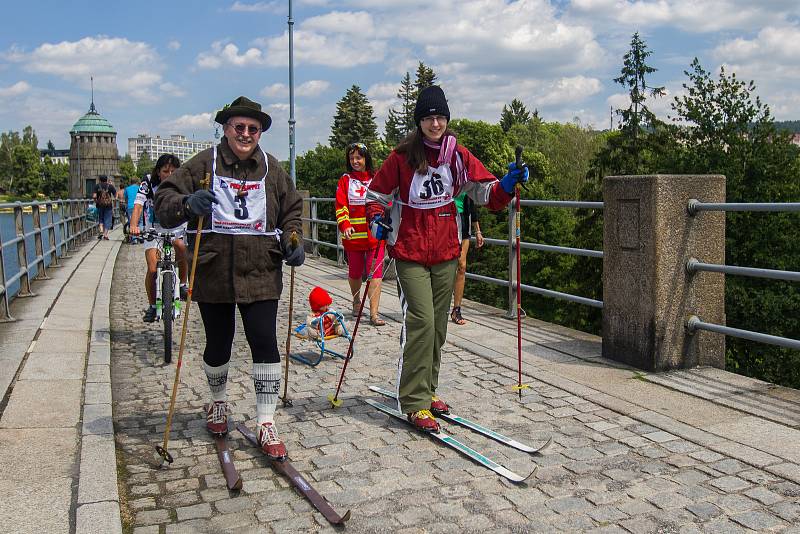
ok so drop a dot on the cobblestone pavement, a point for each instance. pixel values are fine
(606, 472)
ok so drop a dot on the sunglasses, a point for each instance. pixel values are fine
(354, 146)
(241, 128)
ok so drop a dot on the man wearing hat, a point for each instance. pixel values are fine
(250, 211)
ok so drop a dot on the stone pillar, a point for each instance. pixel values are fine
(648, 236)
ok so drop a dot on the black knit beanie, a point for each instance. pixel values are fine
(431, 101)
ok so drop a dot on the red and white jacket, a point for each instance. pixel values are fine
(429, 235)
(351, 210)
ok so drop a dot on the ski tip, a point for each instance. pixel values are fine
(535, 468)
(545, 447)
(237, 486)
(345, 517)
(335, 403)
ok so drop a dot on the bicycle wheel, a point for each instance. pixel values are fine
(167, 297)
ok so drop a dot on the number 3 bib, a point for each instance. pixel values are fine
(431, 190)
(235, 213)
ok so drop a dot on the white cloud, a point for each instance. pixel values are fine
(310, 88)
(257, 7)
(223, 53)
(174, 45)
(171, 89)
(17, 89)
(199, 121)
(771, 60)
(568, 90)
(119, 66)
(358, 23)
(687, 15)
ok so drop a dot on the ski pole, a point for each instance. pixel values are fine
(517, 215)
(161, 450)
(285, 399)
(334, 399)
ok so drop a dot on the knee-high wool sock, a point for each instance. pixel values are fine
(217, 380)
(267, 380)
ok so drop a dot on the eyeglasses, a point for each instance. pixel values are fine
(438, 118)
(354, 146)
(241, 128)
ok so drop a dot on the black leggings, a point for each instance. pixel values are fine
(260, 322)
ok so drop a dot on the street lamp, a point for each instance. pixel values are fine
(291, 97)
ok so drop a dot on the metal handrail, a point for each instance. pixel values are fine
(694, 266)
(73, 226)
(509, 243)
(574, 204)
(696, 206)
(694, 323)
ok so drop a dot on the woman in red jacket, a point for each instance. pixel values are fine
(420, 180)
(359, 244)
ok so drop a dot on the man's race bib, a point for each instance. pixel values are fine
(235, 213)
(431, 190)
(357, 192)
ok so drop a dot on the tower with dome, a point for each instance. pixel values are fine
(92, 153)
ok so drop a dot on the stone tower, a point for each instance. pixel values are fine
(92, 153)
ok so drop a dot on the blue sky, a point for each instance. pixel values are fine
(165, 67)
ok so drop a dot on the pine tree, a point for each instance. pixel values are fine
(401, 121)
(637, 119)
(515, 113)
(393, 132)
(425, 78)
(354, 120)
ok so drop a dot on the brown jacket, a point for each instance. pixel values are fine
(234, 268)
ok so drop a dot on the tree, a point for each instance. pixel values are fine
(29, 137)
(400, 122)
(393, 130)
(55, 179)
(723, 127)
(515, 113)
(633, 151)
(26, 180)
(354, 121)
(425, 78)
(145, 164)
(128, 170)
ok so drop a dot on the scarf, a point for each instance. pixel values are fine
(448, 155)
(363, 176)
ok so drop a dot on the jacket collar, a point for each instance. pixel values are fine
(255, 160)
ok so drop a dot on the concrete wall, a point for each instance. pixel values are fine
(648, 237)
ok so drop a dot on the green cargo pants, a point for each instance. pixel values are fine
(425, 294)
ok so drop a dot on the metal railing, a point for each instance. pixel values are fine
(63, 234)
(694, 265)
(315, 242)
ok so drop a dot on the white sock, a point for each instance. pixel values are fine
(217, 381)
(267, 380)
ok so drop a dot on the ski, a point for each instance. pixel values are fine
(453, 443)
(232, 478)
(285, 468)
(505, 440)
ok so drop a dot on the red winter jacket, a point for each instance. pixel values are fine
(428, 236)
(351, 210)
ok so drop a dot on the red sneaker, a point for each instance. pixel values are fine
(424, 421)
(217, 417)
(271, 444)
(439, 407)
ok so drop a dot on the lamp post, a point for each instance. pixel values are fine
(291, 97)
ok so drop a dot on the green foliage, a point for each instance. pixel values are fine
(20, 166)
(486, 141)
(788, 126)
(128, 170)
(55, 179)
(354, 121)
(514, 113)
(724, 128)
(144, 165)
(425, 78)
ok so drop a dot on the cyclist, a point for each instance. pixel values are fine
(165, 166)
(251, 211)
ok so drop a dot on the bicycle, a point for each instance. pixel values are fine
(168, 298)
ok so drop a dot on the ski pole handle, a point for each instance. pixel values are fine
(518, 156)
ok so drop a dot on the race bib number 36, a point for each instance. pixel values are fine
(431, 190)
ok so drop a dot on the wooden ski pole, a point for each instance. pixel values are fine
(161, 450)
(334, 399)
(285, 399)
(517, 216)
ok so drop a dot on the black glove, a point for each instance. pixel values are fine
(199, 202)
(294, 256)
